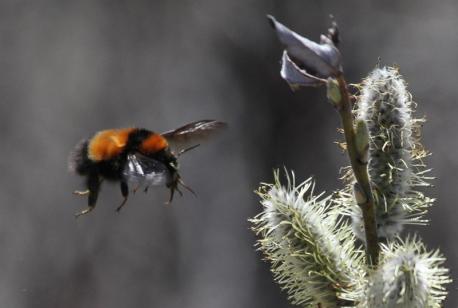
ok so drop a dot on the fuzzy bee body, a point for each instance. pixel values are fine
(134, 157)
(106, 153)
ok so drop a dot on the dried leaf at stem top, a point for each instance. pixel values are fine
(307, 63)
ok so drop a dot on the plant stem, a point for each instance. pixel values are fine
(360, 171)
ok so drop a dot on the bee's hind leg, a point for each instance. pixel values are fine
(125, 194)
(81, 192)
(172, 193)
(93, 184)
(173, 187)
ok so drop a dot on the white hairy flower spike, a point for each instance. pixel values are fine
(408, 277)
(395, 155)
(311, 250)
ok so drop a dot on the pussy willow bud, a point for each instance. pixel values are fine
(333, 91)
(359, 194)
(362, 141)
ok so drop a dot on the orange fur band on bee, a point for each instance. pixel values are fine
(108, 143)
(154, 143)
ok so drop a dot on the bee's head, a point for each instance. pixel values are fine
(175, 178)
(173, 163)
(174, 173)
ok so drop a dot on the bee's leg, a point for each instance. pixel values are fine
(125, 194)
(179, 191)
(81, 193)
(93, 185)
(173, 187)
(187, 187)
(172, 192)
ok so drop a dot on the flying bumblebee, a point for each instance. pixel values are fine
(137, 157)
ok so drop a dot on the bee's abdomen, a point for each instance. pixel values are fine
(78, 161)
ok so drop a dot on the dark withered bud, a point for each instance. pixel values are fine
(307, 63)
(295, 76)
(334, 34)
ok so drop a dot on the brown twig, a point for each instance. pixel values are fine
(359, 167)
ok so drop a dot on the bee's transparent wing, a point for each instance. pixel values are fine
(193, 134)
(144, 171)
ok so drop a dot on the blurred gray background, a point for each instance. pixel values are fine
(71, 68)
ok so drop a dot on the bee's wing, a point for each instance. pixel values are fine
(144, 171)
(193, 133)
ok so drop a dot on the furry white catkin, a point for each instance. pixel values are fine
(312, 253)
(408, 277)
(395, 156)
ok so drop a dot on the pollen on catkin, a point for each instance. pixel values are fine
(408, 277)
(311, 250)
(395, 163)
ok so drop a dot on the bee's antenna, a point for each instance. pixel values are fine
(187, 149)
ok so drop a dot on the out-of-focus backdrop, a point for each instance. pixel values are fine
(70, 68)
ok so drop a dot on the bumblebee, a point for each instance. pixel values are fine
(137, 157)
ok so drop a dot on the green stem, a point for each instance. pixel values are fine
(359, 167)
